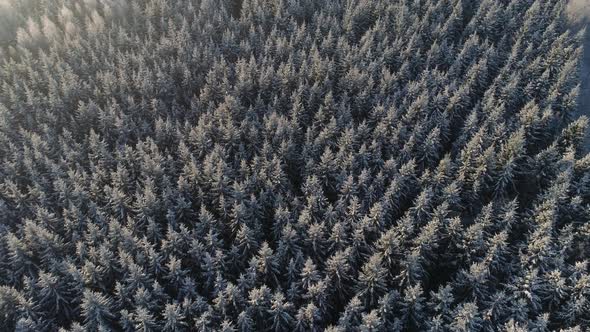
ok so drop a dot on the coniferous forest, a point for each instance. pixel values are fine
(292, 165)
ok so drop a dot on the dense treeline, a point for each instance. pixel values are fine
(278, 165)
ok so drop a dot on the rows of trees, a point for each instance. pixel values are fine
(279, 165)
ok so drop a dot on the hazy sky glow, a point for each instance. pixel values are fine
(5, 4)
(580, 9)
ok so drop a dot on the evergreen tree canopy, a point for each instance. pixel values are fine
(301, 165)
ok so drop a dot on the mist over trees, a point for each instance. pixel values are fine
(292, 165)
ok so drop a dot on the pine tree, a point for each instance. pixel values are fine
(96, 310)
(371, 282)
(281, 313)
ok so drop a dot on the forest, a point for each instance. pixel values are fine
(292, 165)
